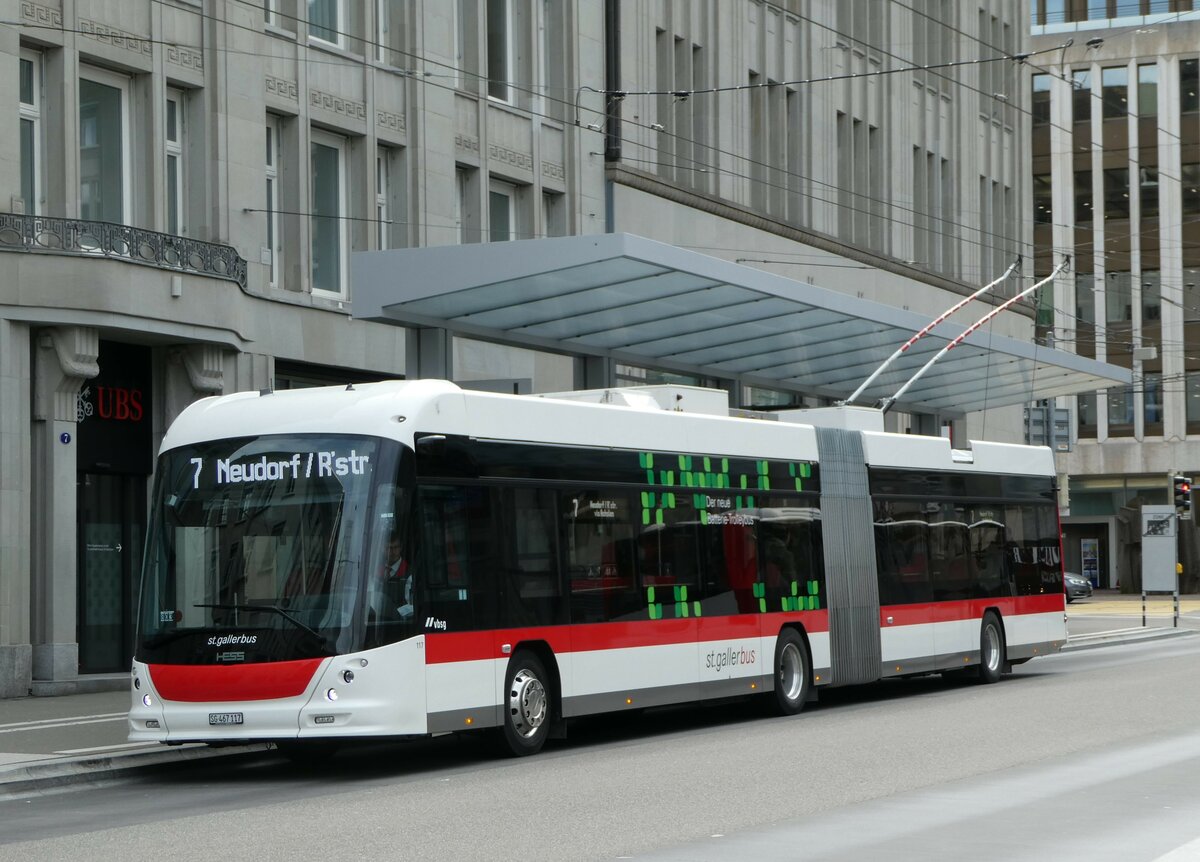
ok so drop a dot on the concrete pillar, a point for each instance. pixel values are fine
(16, 653)
(64, 359)
(595, 372)
(429, 354)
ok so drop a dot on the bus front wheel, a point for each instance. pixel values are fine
(527, 705)
(991, 649)
(791, 671)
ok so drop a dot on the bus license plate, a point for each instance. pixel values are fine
(224, 718)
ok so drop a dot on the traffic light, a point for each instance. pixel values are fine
(1183, 494)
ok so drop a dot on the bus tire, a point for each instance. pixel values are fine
(528, 705)
(791, 672)
(991, 649)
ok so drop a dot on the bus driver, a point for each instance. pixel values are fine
(393, 582)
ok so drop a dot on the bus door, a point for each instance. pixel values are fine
(728, 615)
(456, 605)
(907, 549)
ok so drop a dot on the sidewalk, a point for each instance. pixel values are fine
(49, 742)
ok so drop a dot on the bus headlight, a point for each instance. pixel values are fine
(147, 700)
(331, 695)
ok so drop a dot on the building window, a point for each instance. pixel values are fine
(554, 214)
(1189, 86)
(176, 185)
(325, 21)
(1189, 180)
(1149, 192)
(31, 130)
(1114, 88)
(1147, 90)
(1087, 415)
(328, 204)
(382, 30)
(502, 198)
(467, 207)
(1116, 193)
(274, 241)
(103, 147)
(383, 226)
(499, 48)
(1120, 412)
(1085, 315)
(270, 12)
(1192, 390)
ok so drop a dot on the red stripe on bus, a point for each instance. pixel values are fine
(196, 683)
(968, 609)
(476, 646)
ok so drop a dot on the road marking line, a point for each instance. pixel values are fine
(1189, 852)
(121, 717)
(108, 747)
(31, 724)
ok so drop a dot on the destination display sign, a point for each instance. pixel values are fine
(273, 468)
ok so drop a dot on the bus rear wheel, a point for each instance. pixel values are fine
(991, 649)
(791, 670)
(527, 705)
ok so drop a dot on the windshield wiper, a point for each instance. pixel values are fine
(271, 609)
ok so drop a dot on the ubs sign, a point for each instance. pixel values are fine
(113, 411)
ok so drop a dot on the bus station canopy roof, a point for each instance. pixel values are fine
(650, 304)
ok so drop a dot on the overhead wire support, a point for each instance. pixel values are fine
(1016, 264)
(886, 403)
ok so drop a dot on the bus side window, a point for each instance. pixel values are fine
(989, 566)
(903, 549)
(454, 554)
(949, 557)
(1032, 543)
(668, 554)
(729, 555)
(790, 555)
(599, 551)
(532, 584)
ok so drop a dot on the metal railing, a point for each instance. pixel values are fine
(45, 235)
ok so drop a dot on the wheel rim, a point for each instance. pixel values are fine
(991, 647)
(791, 671)
(527, 703)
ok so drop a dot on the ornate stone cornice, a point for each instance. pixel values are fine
(389, 120)
(282, 88)
(337, 105)
(110, 35)
(496, 153)
(36, 13)
(187, 58)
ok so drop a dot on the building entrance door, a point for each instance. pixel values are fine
(1086, 550)
(112, 510)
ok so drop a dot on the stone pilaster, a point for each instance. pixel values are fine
(64, 359)
(16, 653)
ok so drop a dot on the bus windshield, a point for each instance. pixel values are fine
(258, 548)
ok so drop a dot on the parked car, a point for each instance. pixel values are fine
(1076, 586)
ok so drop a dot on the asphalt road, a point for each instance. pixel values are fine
(1090, 754)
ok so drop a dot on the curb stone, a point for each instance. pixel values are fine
(41, 775)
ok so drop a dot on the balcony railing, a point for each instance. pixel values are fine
(120, 242)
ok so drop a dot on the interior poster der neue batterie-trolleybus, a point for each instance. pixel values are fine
(408, 558)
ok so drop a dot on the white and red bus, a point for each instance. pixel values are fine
(408, 558)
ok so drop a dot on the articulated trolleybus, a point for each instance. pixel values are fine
(408, 558)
